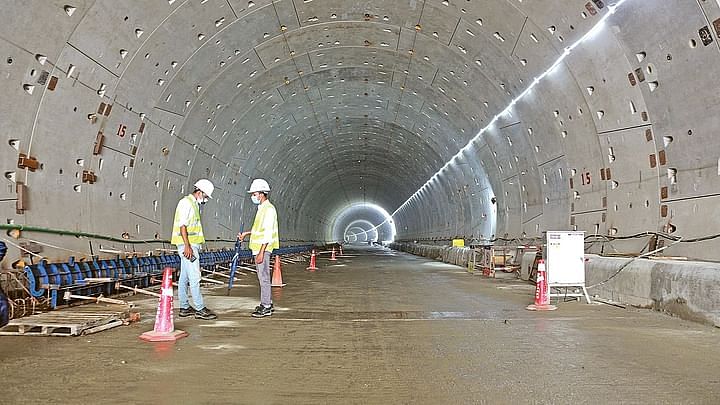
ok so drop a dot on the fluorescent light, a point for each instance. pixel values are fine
(594, 31)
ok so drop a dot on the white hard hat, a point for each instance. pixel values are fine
(205, 186)
(259, 185)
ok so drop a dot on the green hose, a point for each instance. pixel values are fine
(27, 228)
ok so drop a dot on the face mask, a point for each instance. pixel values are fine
(203, 201)
(255, 200)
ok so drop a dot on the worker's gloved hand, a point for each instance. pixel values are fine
(4, 309)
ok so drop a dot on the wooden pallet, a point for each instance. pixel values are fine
(73, 321)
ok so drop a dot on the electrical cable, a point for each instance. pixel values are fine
(57, 247)
(22, 248)
(630, 261)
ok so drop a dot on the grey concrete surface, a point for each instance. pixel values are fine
(344, 102)
(376, 328)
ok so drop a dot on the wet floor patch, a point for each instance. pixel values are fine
(223, 347)
(220, 324)
(491, 315)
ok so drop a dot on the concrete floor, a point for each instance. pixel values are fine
(380, 328)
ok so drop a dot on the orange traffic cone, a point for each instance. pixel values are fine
(164, 330)
(277, 274)
(542, 299)
(341, 252)
(312, 262)
(332, 258)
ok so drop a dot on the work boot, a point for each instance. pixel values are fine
(184, 312)
(262, 312)
(259, 307)
(205, 314)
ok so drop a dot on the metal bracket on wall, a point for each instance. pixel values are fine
(89, 177)
(99, 139)
(27, 162)
(21, 203)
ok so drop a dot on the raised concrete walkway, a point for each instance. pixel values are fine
(687, 289)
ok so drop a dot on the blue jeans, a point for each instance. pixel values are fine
(190, 275)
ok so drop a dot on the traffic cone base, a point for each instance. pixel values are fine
(533, 307)
(153, 336)
(277, 280)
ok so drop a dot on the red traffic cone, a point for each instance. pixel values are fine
(542, 299)
(332, 258)
(312, 262)
(164, 330)
(277, 274)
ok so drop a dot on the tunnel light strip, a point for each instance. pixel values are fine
(591, 33)
(507, 111)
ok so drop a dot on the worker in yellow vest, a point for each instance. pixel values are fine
(187, 235)
(263, 240)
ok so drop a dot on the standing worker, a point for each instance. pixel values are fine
(187, 235)
(263, 240)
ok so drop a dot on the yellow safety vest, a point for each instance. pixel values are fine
(258, 229)
(194, 228)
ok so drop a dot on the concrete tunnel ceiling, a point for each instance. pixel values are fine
(343, 102)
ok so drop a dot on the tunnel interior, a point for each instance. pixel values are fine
(363, 223)
(481, 120)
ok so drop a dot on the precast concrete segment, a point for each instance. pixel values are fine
(123, 107)
(380, 327)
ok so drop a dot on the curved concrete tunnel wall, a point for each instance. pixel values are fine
(343, 102)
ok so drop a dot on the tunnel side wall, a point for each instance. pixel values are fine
(453, 255)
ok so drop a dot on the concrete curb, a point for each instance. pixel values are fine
(689, 290)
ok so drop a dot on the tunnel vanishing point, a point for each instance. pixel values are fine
(407, 120)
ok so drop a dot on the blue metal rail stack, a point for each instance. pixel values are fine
(101, 276)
